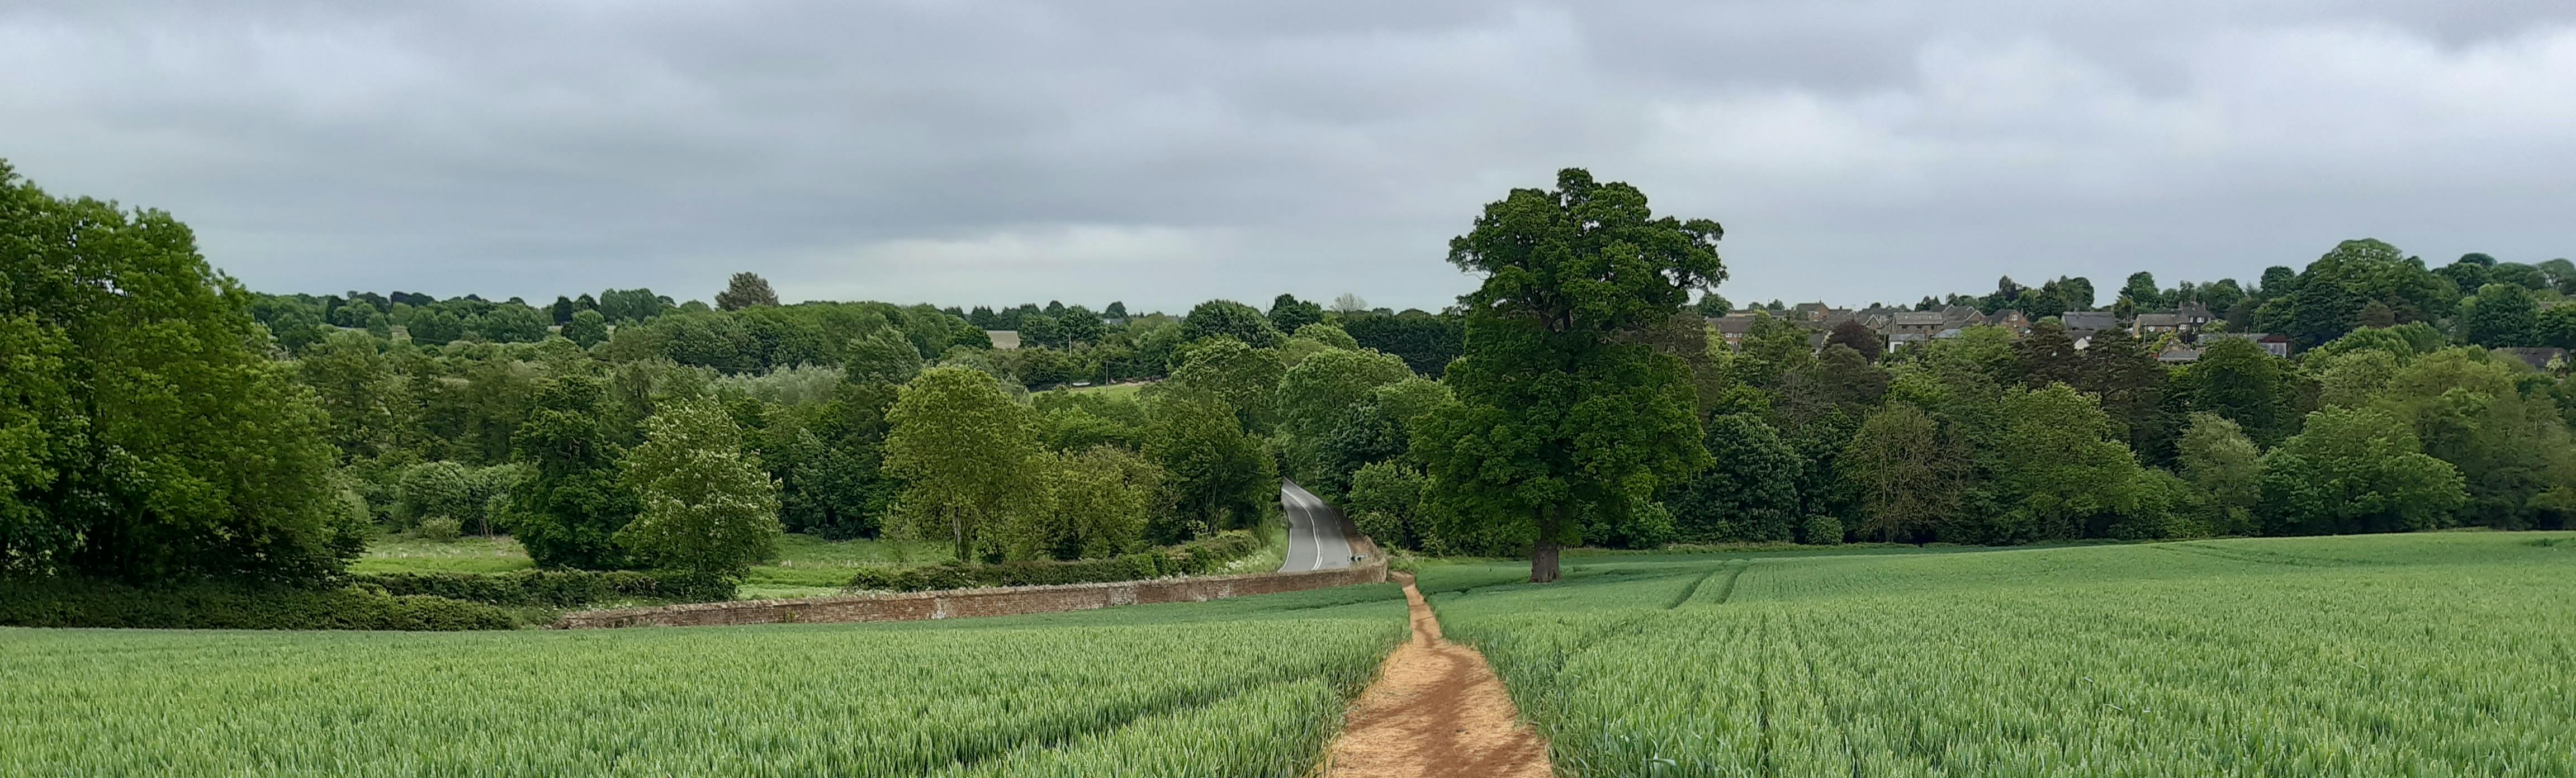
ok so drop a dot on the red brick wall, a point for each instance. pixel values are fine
(962, 603)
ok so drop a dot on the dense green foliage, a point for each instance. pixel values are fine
(1243, 687)
(53, 602)
(2409, 655)
(145, 435)
(555, 588)
(1198, 557)
(1568, 416)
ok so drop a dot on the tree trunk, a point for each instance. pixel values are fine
(1543, 562)
(957, 529)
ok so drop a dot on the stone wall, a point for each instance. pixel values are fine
(961, 603)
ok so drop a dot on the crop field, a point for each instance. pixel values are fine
(2447, 654)
(1243, 687)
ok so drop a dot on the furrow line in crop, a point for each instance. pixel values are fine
(1762, 698)
(1693, 588)
(1837, 709)
(1727, 591)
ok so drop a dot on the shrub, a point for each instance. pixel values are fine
(556, 588)
(1821, 531)
(439, 528)
(75, 603)
(1194, 558)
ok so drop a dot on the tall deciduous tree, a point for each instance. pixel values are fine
(367, 402)
(1316, 394)
(569, 513)
(2500, 315)
(962, 447)
(883, 356)
(586, 329)
(1095, 503)
(1906, 474)
(2356, 470)
(1749, 494)
(1245, 378)
(706, 505)
(2225, 473)
(1221, 474)
(145, 435)
(2236, 380)
(1565, 418)
(1287, 313)
(1230, 318)
(746, 290)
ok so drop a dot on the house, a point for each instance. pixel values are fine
(1963, 316)
(2196, 315)
(2538, 357)
(1902, 339)
(2149, 325)
(2082, 324)
(1732, 327)
(2175, 353)
(1811, 312)
(2275, 345)
(1922, 323)
(2010, 319)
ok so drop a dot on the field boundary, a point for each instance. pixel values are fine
(966, 603)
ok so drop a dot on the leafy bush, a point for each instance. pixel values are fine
(1194, 558)
(555, 588)
(56, 602)
(1821, 531)
(438, 528)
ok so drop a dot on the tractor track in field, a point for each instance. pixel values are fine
(1436, 711)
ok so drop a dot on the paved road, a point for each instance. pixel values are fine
(1315, 539)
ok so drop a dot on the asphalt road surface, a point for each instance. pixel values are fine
(1315, 539)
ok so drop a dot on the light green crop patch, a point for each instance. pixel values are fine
(1250, 686)
(2428, 655)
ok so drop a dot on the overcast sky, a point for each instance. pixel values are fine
(1165, 153)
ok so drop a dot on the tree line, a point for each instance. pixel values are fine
(161, 423)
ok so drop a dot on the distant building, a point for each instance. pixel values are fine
(1812, 312)
(1923, 323)
(1004, 339)
(1732, 327)
(2176, 353)
(2149, 325)
(2275, 345)
(2538, 357)
(2082, 324)
(2010, 319)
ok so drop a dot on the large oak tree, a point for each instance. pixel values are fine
(1567, 414)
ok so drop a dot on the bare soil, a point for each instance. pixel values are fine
(1436, 711)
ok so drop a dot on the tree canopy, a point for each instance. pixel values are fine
(1563, 419)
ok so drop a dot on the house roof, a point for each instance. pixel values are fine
(1732, 324)
(2087, 321)
(1918, 318)
(2535, 356)
(2160, 320)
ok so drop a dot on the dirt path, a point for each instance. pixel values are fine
(1436, 711)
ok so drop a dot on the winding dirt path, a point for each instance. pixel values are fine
(1436, 711)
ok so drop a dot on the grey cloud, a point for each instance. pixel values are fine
(1162, 153)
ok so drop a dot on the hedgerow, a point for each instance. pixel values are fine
(75, 603)
(1198, 557)
(556, 588)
